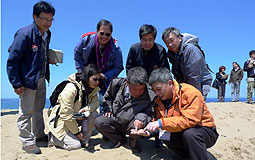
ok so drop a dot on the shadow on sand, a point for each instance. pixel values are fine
(12, 112)
(149, 152)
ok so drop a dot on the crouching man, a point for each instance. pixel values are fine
(182, 117)
(127, 105)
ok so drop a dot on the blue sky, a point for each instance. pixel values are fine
(225, 28)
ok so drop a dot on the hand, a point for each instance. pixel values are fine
(81, 137)
(152, 126)
(82, 110)
(102, 76)
(138, 124)
(107, 114)
(140, 132)
(19, 91)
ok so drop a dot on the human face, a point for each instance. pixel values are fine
(253, 56)
(162, 90)
(43, 21)
(147, 41)
(136, 90)
(235, 65)
(103, 34)
(173, 43)
(94, 80)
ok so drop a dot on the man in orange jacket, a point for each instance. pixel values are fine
(184, 122)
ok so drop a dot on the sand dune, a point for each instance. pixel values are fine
(235, 123)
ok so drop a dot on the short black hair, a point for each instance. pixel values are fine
(44, 7)
(104, 22)
(252, 52)
(146, 29)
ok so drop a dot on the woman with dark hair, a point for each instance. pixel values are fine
(221, 76)
(63, 125)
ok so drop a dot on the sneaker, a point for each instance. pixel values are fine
(42, 139)
(32, 149)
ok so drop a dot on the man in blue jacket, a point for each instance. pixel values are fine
(188, 62)
(102, 50)
(27, 68)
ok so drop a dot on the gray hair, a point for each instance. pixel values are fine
(170, 30)
(137, 75)
(161, 75)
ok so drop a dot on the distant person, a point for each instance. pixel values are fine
(27, 69)
(235, 79)
(221, 76)
(186, 125)
(188, 62)
(63, 128)
(147, 53)
(127, 105)
(100, 49)
(249, 67)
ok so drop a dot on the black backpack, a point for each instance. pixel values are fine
(54, 98)
(59, 88)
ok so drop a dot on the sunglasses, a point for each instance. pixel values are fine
(96, 79)
(107, 34)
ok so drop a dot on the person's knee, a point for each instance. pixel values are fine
(98, 122)
(190, 135)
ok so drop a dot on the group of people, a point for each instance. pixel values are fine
(235, 79)
(149, 102)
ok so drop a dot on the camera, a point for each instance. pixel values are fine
(252, 61)
(78, 115)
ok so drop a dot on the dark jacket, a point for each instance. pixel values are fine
(250, 71)
(126, 108)
(236, 76)
(188, 65)
(83, 51)
(220, 78)
(24, 62)
(156, 58)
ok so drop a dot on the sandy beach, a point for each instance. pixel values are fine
(235, 123)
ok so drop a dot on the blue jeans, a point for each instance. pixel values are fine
(235, 91)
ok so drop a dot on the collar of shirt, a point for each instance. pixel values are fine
(44, 36)
(127, 96)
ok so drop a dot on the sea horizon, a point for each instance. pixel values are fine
(13, 103)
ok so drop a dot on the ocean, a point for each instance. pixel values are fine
(13, 103)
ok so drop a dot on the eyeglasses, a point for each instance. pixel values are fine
(107, 34)
(46, 19)
(96, 79)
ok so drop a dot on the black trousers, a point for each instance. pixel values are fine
(193, 143)
(114, 131)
